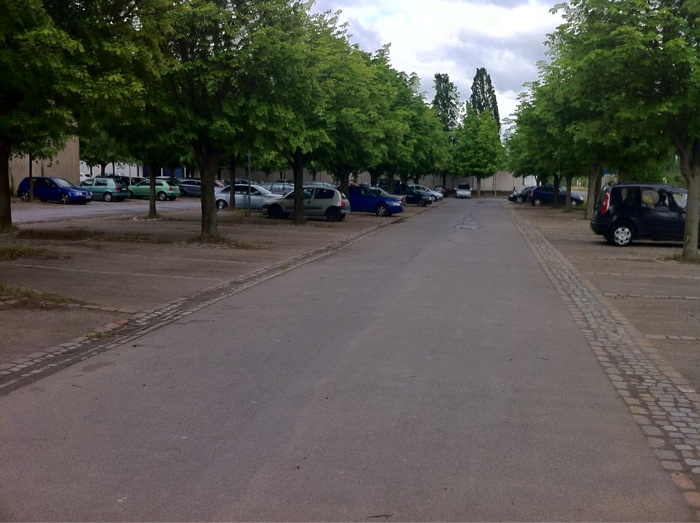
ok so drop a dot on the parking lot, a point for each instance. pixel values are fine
(112, 270)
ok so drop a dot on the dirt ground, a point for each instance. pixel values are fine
(109, 271)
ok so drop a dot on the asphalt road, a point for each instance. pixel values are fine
(433, 371)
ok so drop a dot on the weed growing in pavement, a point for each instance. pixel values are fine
(31, 298)
(13, 252)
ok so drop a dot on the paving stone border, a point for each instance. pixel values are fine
(659, 399)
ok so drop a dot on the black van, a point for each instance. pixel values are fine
(640, 211)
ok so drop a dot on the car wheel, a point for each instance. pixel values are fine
(333, 214)
(24, 196)
(382, 209)
(421, 203)
(537, 202)
(519, 199)
(221, 204)
(107, 196)
(65, 199)
(162, 196)
(183, 193)
(274, 212)
(574, 203)
(622, 235)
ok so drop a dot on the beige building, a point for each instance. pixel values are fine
(66, 165)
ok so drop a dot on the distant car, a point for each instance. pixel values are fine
(279, 187)
(318, 202)
(463, 190)
(640, 210)
(381, 203)
(53, 189)
(441, 189)
(434, 195)
(412, 196)
(106, 189)
(165, 189)
(258, 195)
(520, 195)
(544, 195)
(321, 184)
(190, 187)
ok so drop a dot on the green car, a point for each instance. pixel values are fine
(165, 190)
(106, 189)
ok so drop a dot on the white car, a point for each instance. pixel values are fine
(463, 191)
(258, 195)
(434, 195)
(318, 202)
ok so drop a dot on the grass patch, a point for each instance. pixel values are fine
(86, 234)
(14, 252)
(679, 258)
(31, 298)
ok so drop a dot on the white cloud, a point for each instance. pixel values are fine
(455, 37)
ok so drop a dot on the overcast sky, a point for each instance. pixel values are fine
(455, 37)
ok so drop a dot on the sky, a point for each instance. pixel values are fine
(455, 37)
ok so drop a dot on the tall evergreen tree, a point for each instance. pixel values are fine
(484, 96)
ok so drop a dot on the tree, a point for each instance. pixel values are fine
(478, 150)
(484, 96)
(658, 96)
(446, 105)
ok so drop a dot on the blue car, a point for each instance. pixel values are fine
(544, 195)
(374, 199)
(53, 190)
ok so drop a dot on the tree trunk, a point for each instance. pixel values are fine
(555, 188)
(5, 206)
(298, 170)
(593, 190)
(208, 160)
(154, 170)
(689, 154)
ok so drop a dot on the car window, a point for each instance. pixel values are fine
(101, 183)
(325, 194)
(87, 183)
(308, 193)
(650, 198)
(678, 200)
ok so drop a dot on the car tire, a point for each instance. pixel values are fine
(24, 196)
(574, 203)
(333, 214)
(382, 209)
(421, 203)
(107, 196)
(274, 212)
(162, 196)
(519, 199)
(221, 204)
(622, 234)
(536, 202)
(65, 199)
(183, 193)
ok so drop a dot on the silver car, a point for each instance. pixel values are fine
(463, 191)
(434, 195)
(258, 195)
(318, 202)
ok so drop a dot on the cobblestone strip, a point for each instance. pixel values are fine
(662, 403)
(41, 363)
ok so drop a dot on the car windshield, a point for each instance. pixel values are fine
(63, 183)
(679, 198)
(463, 186)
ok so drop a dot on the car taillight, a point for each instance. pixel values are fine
(118, 187)
(606, 203)
(342, 203)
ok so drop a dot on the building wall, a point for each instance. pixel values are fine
(66, 165)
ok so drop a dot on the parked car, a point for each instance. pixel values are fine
(321, 184)
(165, 189)
(258, 195)
(442, 190)
(520, 195)
(106, 189)
(412, 196)
(544, 195)
(463, 190)
(190, 187)
(279, 187)
(53, 189)
(434, 195)
(646, 211)
(318, 202)
(363, 198)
